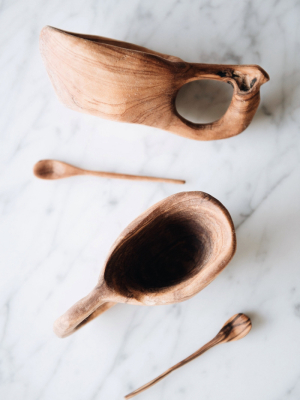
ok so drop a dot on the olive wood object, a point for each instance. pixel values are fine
(124, 82)
(53, 169)
(235, 328)
(166, 255)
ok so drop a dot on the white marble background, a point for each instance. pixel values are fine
(54, 236)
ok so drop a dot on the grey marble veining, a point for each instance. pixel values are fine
(54, 236)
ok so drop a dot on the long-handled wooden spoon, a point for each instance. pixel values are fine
(53, 169)
(235, 328)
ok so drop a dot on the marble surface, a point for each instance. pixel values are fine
(54, 236)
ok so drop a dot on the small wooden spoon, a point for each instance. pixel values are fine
(53, 169)
(235, 328)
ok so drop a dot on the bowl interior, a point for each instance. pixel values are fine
(163, 251)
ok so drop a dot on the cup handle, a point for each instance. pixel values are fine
(246, 81)
(82, 312)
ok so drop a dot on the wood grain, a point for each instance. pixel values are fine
(235, 328)
(128, 83)
(166, 255)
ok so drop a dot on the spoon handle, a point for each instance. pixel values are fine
(115, 175)
(216, 340)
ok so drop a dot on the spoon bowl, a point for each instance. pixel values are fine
(166, 255)
(52, 169)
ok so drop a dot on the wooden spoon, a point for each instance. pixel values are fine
(124, 82)
(53, 169)
(166, 255)
(235, 328)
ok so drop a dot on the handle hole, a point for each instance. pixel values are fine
(203, 101)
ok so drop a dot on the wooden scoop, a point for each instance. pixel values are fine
(124, 82)
(53, 169)
(235, 328)
(166, 255)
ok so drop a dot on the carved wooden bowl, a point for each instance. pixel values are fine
(166, 255)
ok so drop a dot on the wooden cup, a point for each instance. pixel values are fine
(166, 255)
(128, 83)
